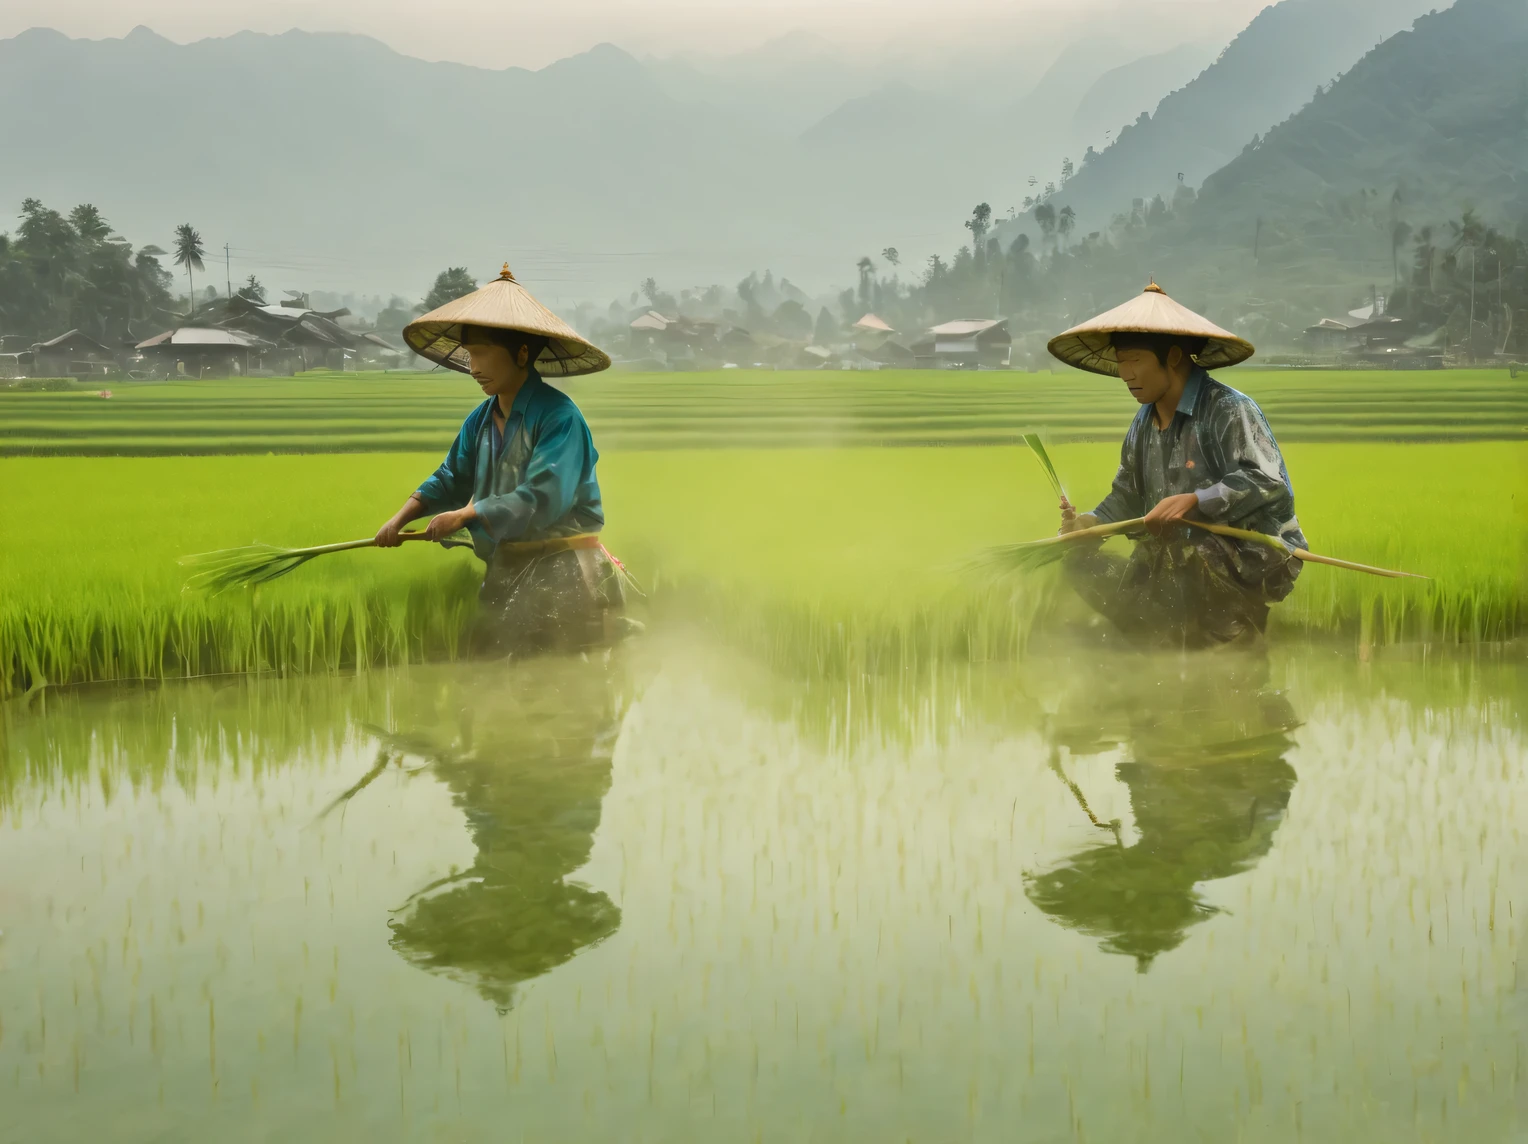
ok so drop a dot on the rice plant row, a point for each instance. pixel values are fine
(831, 560)
(361, 413)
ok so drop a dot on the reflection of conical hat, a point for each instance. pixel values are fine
(1089, 347)
(503, 304)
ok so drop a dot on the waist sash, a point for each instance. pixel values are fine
(519, 549)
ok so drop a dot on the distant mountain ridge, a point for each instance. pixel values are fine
(1267, 73)
(330, 161)
(1324, 207)
(1432, 121)
(1120, 94)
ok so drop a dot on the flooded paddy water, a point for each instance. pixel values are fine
(675, 895)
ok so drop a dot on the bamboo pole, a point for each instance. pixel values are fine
(351, 545)
(1103, 531)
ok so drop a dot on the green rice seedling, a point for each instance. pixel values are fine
(1037, 447)
(834, 556)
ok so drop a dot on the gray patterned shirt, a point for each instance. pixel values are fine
(1219, 447)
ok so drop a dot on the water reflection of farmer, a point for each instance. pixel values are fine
(1209, 786)
(529, 764)
(519, 480)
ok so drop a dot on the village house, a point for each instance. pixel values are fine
(203, 351)
(72, 354)
(971, 343)
(15, 357)
(238, 335)
(871, 324)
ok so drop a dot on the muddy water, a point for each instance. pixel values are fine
(671, 897)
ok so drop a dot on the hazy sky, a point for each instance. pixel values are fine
(500, 33)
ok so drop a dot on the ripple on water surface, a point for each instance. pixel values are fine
(671, 897)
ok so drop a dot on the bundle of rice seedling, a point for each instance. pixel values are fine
(1032, 555)
(260, 563)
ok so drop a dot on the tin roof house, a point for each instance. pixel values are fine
(72, 354)
(972, 343)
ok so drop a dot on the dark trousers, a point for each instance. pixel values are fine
(1179, 593)
(563, 601)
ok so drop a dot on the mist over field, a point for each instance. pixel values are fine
(785, 170)
(772, 696)
(332, 161)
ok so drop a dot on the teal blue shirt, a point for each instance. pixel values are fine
(534, 482)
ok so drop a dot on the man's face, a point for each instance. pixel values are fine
(1146, 377)
(496, 368)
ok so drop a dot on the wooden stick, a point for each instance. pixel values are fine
(350, 545)
(1311, 557)
(1097, 532)
(1299, 553)
(1101, 531)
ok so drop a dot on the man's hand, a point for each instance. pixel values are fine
(1071, 521)
(1170, 512)
(387, 535)
(445, 524)
(413, 509)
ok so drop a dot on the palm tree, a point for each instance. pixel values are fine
(1066, 222)
(188, 253)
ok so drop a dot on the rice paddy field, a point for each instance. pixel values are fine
(329, 413)
(851, 844)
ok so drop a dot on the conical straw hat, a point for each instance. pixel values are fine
(503, 304)
(1090, 347)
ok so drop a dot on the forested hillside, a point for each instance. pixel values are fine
(1264, 75)
(1408, 178)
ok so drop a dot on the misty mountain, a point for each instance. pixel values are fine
(994, 147)
(1431, 122)
(341, 163)
(886, 118)
(330, 161)
(1268, 72)
(1119, 95)
(1327, 205)
(783, 86)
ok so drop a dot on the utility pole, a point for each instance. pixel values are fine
(228, 270)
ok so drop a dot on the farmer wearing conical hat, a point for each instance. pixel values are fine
(1198, 450)
(520, 476)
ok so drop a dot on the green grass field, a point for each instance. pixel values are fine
(744, 409)
(848, 554)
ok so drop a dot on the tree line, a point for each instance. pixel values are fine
(61, 272)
